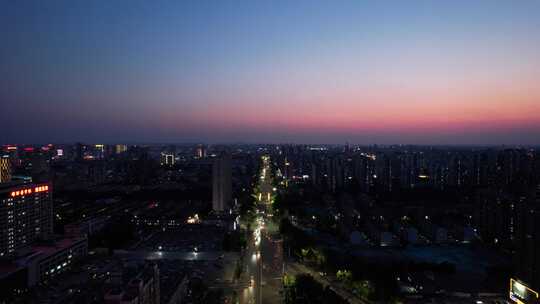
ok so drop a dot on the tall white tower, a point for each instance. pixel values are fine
(221, 182)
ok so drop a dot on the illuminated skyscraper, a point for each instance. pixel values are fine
(5, 169)
(167, 159)
(201, 151)
(221, 182)
(99, 151)
(25, 215)
(120, 149)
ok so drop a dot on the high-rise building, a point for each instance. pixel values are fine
(527, 240)
(79, 150)
(495, 216)
(25, 215)
(167, 159)
(201, 151)
(5, 169)
(120, 149)
(99, 151)
(221, 182)
(39, 167)
(13, 154)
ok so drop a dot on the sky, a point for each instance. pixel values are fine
(385, 72)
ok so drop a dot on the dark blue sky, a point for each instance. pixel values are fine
(453, 72)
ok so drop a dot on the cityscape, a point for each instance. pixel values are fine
(269, 152)
(196, 223)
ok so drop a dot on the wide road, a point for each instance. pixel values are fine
(264, 259)
(264, 255)
(251, 274)
(266, 189)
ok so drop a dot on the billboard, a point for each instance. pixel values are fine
(521, 294)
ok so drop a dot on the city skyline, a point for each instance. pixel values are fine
(455, 73)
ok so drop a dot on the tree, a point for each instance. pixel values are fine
(344, 275)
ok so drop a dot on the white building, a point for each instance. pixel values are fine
(221, 183)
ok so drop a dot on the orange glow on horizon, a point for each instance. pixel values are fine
(403, 109)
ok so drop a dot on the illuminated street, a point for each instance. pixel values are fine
(263, 256)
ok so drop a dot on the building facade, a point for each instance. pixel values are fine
(25, 215)
(5, 169)
(221, 182)
(49, 260)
